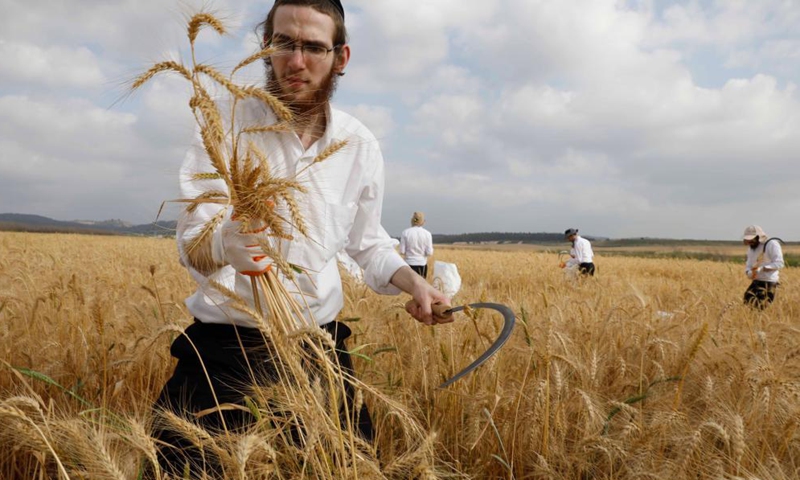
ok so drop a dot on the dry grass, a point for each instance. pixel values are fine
(587, 387)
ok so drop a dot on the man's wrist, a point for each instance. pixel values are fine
(407, 280)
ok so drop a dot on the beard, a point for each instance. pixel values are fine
(755, 244)
(304, 107)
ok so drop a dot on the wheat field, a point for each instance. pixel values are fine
(653, 369)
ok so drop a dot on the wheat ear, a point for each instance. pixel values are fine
(199, 20)
(167, 66)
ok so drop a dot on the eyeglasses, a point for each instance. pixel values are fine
(311, 52)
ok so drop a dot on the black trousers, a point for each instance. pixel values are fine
(422, 270)
(760, 294)
(586, 268)
(231, 370)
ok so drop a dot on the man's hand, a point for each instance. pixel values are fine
(424, 296)
(754, 272)
(562, 265)
(241, 248)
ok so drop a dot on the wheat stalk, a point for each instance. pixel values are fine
(266, 52)
(201, 19)
(166, 66)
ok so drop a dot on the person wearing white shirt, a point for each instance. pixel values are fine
(764, 260)
(342, 210)
(416, 245)
(581, 254)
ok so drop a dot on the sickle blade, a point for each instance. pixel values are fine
(508, 326)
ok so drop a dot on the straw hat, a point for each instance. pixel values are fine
(418, 219)
(754, 231)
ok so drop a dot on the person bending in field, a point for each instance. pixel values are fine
(343, 208)
(416, 245)
(764, 260)
(580, 254)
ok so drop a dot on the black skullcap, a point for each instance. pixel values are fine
(338, 5)
(571, 231)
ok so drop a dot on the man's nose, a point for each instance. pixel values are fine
(297, 58)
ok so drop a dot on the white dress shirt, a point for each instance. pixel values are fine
(342, 209)
(416, 245)
(769, 258)
(581, 252)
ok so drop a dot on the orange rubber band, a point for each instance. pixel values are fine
(255, 274)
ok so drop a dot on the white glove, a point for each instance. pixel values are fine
(241, 250)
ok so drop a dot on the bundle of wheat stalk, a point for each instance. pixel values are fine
(314, 438)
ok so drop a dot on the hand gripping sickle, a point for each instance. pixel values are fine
(508, 326)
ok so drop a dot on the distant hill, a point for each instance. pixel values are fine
(504, 237)
(36, 223)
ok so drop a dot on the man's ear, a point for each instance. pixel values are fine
(341, 60)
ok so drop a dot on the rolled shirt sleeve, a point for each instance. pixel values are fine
(192, 223)
(774, 252)
(368, 243)
(429, 249)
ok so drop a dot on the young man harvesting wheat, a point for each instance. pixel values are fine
(342, 209)
(581, 254)
(764, 260)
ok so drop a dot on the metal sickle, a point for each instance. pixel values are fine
(508, 326)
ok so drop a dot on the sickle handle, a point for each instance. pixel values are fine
(441, 310)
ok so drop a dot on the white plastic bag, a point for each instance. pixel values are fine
(572, 272)
(446, 278)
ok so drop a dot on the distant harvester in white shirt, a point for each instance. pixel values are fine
(581, 252)
(416, 245)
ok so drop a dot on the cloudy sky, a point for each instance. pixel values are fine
(623, 118)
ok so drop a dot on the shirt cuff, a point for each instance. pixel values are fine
(380, 273)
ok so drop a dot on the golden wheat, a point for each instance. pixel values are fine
(615, 365)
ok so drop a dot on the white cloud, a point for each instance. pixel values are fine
(127, 27)
(68, 155)
(724, 23)
(415, 42)
(779, 56)
(65, 126)
(538, 106)
(377, 119)
(631, 126)
(25, 63)
(621, 116)
(457, 120)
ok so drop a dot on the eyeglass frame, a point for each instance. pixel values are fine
(278, 43)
